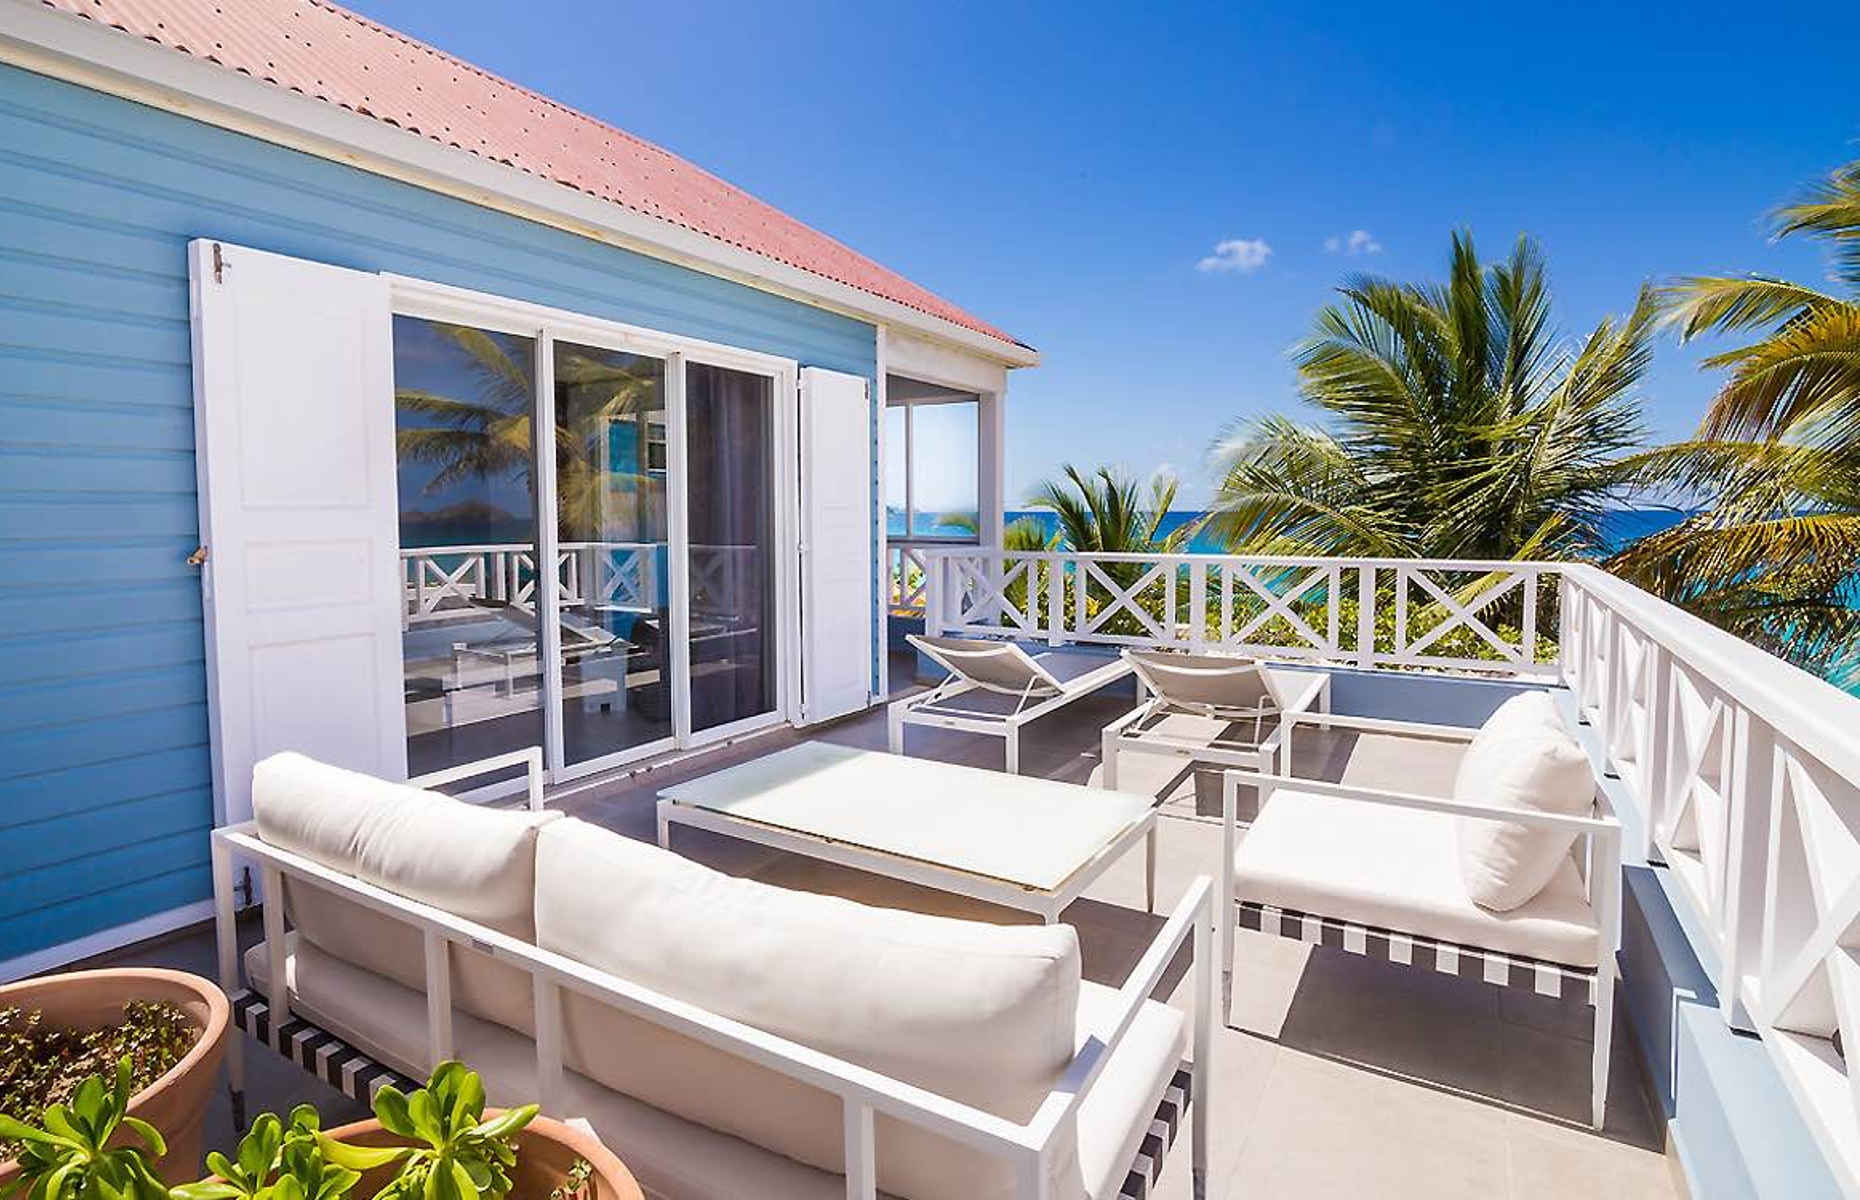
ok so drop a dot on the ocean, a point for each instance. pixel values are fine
(1621, 526)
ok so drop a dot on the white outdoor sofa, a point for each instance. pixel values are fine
(1394, 875)
(725, 1037)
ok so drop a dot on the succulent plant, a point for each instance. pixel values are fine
(461, 1156)
(68, 1155)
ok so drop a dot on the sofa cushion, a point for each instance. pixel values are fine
(477, 863)
(1398, 868)
(671, 1158)
(676, 1159)
(981, 1013)
(1521, 758)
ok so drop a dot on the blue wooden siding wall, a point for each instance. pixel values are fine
(104, 783)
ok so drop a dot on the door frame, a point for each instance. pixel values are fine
(424, 299)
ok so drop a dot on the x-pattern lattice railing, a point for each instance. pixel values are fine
(722, 575)
(906, 593)
(1452, 612)
(1440, 612)
(1746, 773)
(1261, 591)
(435, 579)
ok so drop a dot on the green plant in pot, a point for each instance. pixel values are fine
(458, 1155)
(274, 1161)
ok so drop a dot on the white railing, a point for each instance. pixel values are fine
(1466, 614)
(620, 576)
(1744, 770)
(906, 579)
(907, 573)
(1747, 773)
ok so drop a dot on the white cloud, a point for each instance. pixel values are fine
(1244, 255)
(1357, 241)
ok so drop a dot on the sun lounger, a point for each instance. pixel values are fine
(1222, 690)
(995, 688)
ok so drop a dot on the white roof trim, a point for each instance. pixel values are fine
(96, 56)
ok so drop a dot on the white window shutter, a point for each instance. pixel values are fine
(294, 421)
(837, 626)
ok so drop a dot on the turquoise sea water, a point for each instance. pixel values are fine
(1622, 526)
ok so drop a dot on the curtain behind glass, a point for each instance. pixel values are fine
(731, 503)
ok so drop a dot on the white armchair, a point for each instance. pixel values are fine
(1379, 872)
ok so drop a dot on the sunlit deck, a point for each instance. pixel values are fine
(1340, 1075)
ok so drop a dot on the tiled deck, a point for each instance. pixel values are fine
(1340, 1077)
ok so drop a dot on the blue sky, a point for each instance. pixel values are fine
(1061, 169)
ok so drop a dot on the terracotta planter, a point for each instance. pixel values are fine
(546, 1150)
(177, 1102)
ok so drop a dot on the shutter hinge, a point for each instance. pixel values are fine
(198, 557)
(219, 265)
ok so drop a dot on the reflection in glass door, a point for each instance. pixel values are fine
(463, 399)
(657, 640)
(730, 507)
(614, 595)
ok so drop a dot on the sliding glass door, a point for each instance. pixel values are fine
(463, 402)
(612, 534)
(730, 501)
(659, 505)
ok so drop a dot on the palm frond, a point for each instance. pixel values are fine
(1806, 373)
(1831, 209)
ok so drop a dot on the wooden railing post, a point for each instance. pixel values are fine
(1366, 616)
(1198, 604)
(1055, 600)
(933, 594)
(1529, 632)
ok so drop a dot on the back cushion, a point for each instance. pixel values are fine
(477, 863)
(981, 1013)
(1523, 757)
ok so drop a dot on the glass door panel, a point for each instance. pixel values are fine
(730, 505)
(614, 572)
(463, 399)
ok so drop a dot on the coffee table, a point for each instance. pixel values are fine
(1023, 843)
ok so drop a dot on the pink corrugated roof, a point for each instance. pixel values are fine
(336, 56)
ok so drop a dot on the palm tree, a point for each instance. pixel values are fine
(1459, 424)
(1020, 534)
(1108, 512)
(1773, 553)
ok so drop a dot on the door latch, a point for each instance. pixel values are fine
(198, 557)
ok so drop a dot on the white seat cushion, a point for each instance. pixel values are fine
(677, 1159)
(1398, 869)
(478, 863)
(981, 1013)
(1521, 758)
(672, 1158)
